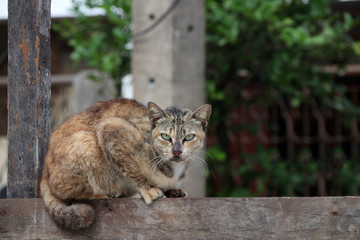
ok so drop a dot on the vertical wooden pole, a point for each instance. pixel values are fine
(29, 92)
(168, 61)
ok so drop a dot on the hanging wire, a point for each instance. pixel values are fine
(157, 22)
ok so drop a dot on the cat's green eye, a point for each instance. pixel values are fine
(165, 137)
(189, 137)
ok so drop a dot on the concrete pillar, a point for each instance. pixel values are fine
(87, 92)
(168, 62)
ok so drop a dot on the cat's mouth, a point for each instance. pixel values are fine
(176, 158)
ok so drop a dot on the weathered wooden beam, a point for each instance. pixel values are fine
(194, 218)
(28, 94)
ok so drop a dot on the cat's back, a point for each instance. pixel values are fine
(119, 108)
(88, 120)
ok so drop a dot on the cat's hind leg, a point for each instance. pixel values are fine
(74, 216)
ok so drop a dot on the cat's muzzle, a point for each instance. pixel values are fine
(176, 158)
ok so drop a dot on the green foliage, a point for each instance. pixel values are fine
(279, 44)
(271, 176)
(347, 180)
(101, 41)
(280, 47)
(264, 173)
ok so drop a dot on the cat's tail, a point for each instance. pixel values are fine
(74, 217)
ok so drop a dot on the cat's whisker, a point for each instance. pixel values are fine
(200, 163)
(207, 154)
(155, 162)
(197, 165)
(159, 162)
(204, 161)
(155, 159)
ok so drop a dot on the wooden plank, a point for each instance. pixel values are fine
(349, 70)
(55, 79)
(194, 218)
(28, 94)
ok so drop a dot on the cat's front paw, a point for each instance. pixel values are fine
(152, 194)
(175, 193)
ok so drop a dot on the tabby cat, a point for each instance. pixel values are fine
(118, 148)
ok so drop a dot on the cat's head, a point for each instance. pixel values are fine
(178, 133)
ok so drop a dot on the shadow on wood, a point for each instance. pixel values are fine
(194, 218)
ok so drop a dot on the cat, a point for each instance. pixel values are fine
(118, 148)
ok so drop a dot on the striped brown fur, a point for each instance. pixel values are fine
(119, 148)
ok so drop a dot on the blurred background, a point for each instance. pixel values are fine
(283, 78)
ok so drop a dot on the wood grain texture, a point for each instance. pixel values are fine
(194, 218)
(28, 94)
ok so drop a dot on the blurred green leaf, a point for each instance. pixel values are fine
(100, 41)
(217, 154)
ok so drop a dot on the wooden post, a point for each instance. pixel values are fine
(29, 92)
(168, 61)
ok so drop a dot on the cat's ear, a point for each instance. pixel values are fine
(202, 114)
(155, 113)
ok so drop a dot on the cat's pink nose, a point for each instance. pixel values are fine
(176, 150)
(177, 153)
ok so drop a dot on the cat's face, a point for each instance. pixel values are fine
(178, 133)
